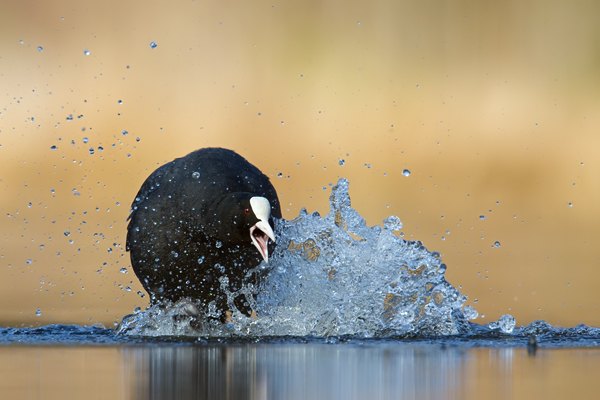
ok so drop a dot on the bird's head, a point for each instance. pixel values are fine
(243, 218)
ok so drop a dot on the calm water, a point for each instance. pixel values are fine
(82, 363)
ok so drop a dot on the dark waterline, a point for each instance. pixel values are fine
(537, 335)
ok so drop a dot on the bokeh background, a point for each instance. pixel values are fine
(493, 107)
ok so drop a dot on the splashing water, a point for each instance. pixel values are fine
(331, 275)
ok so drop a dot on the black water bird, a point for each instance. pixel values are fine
(198, 225)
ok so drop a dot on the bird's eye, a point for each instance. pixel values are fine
(247, 211)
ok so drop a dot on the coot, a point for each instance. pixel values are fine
(198, 225)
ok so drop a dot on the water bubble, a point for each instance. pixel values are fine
(482, 217)
(67, 233)
(341, 162)
(153, 45)
(53, 147)
(38, 312)
(123, 270)
(86, 52)
(201, 260)
(40, 48)
(506, 323)
(196, 175)
(406, 172)
(393, 223)
(470, 312)
(496, 244)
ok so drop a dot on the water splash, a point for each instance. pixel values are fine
(330, 276)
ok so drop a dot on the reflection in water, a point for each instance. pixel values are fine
(296, 372)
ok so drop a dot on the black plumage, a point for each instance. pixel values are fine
(191, 226)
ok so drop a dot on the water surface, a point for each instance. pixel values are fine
(72, 362)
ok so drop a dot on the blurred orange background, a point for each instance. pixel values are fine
(493, 106)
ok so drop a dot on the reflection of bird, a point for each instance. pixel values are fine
(197, 220)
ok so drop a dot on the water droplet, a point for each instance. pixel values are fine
(201, 260)
(100, 148)
(281, 122)
(53, 147)
(393, 223)
(86, 52)
(91, 150)
(496, 244)
(137, 139)
(38, 312)
(279, 175)
(28, 261)
(218, 245)
(196, 175)
(40, 48)
(120, 102)
(482, 217)
(153, 45)
(67, 233)
(406, 172)
(128, 288)
(475, 301)
(85, 140)
(124, 132)
(20, 41)
(470, 312)
(506, 323)
(123, 270)
(570, 204)
(341, 162)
